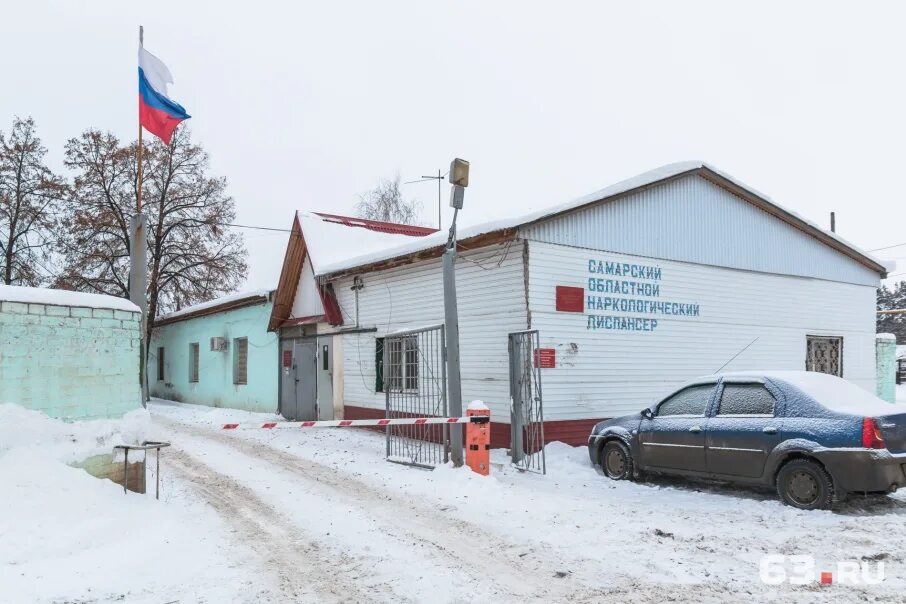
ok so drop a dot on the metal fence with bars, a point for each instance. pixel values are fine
(527, 412)
(415, 385)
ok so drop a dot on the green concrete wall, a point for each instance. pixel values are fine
(886, 355)
(69, 362)
(215, 385)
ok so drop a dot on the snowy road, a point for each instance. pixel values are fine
(326, 518)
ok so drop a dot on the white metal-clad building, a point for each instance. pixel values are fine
(633, 290)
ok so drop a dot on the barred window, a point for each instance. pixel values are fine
(240, 360)
(824, 354)
(403, 363)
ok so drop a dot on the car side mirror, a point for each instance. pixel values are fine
(647, 414)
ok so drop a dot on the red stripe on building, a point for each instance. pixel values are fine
(571, 431)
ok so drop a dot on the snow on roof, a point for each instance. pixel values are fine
(62, 297)
(331, 243)
(238, 296)
(646, 178)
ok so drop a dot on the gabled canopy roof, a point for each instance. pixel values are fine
(328, 239)
(490, 232)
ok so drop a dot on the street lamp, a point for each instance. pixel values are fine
(459, 178)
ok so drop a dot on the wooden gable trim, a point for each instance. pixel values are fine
(330, 305)
(289, 277)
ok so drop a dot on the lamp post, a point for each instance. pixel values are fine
(459, 178)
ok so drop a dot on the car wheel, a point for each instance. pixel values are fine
(616, 461)
(805, 484)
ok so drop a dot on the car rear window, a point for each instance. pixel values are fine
(745, 399)
(689, 401)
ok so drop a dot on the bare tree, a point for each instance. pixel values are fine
(29, 198)
(385, 202)
(193, 255)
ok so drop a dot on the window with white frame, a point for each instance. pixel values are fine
(402, 366)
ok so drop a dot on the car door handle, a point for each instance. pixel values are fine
(769, 430)
(695, 429)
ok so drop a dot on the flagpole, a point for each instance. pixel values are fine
(138, 254)
(141, 42)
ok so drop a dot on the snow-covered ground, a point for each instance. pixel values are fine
(319, 515)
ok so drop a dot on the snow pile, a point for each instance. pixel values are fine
(61, 297)
(67, 442)
(66, 536)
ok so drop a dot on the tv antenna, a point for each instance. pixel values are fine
(439, 178)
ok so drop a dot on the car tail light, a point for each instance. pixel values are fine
(871, 434)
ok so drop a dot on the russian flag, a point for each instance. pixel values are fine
(156, 112)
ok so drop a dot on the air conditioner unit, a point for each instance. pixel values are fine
(218, 344)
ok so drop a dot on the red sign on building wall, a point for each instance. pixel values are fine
(545, 358)
(287, 358)
(570, 299)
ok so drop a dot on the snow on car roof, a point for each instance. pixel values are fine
(832, 392)
(411, 245)
(62, 297)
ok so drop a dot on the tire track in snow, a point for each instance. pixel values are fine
(304, 570)
(491, 559)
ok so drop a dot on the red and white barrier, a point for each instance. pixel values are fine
(354, 423)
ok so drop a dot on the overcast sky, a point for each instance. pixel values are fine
(305, 105)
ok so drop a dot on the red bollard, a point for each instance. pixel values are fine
(478, 438)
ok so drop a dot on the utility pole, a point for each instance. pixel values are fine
(833, 223)
(459, 178)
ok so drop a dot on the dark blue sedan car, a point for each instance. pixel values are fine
(813, 437)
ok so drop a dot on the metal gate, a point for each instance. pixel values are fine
(526, 411)
(415, 383)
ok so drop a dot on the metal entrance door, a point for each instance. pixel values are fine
(415, 385)
(325, 378)
(526, 411)
(298, 398)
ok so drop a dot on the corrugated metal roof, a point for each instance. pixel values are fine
(693, 219)
(636, 183)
